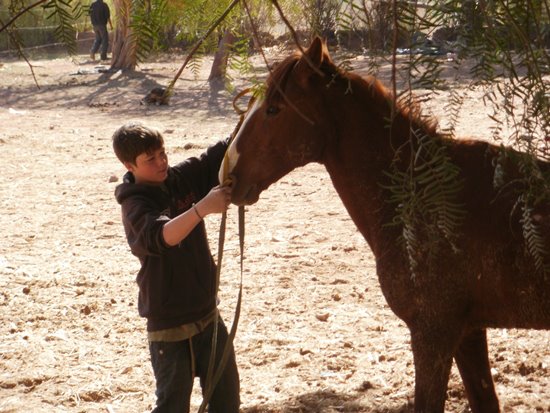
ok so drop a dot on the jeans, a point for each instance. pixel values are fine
(172, 365)
(101, 39)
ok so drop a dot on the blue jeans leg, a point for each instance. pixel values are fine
(101, 41)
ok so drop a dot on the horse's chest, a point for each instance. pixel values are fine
(412, 295)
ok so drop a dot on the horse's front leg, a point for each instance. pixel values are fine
(473, 363)
(433, 348)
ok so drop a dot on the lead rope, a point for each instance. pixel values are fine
(211, 377)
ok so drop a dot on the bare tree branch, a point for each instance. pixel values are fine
(295, 37)
(26, 9)
(257, 39)
(20, 52)
(170, 87)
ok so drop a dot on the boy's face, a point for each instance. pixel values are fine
(150, 168)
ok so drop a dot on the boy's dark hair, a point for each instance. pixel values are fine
(133, 139)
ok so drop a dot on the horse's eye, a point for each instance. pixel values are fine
(272, 110)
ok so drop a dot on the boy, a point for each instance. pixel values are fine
(162, 211)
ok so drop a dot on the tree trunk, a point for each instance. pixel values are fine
(124, 47)
(219, 66)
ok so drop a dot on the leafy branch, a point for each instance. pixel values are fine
(425, 196)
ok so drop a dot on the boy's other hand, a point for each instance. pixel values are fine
(217, 201)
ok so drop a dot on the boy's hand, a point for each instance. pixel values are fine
(217, 201)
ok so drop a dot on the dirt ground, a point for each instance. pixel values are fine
(315, 333)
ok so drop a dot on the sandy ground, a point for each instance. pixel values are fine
(315, 334)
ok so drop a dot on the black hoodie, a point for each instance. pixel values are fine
(99, 13)
(176, 284)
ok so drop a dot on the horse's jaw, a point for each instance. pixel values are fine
(245, 194)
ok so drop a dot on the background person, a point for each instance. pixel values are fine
(100, 15)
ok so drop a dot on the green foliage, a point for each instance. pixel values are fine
(536, 194)
(192, 19)
(425, 198)
(534, 239)
(239, 61)
(519, 175)
(147, 21)
(196, 16)
(453, 107)
(196, 61)
(320, 16)
(61, 12)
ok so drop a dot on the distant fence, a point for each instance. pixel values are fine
(43, 40)
(42, 37)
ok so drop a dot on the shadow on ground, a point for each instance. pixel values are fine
(328, 401)
(96, 89)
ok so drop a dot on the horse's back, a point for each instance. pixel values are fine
(509, 286)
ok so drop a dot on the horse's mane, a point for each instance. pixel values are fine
(383, 98)
(407, 109)
(276, 82)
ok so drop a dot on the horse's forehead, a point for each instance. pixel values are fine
(249, 115)
(232, 154)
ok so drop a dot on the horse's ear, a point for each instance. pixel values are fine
(317, 51)
(311, 61)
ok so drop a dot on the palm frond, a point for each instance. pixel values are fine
(147, 20)
(65, 16)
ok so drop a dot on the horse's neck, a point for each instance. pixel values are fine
(358, 186)
(358, 155)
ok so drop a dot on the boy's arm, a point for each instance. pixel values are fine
(203, 169)
(178, 228)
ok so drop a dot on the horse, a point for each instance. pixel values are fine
(313, 111)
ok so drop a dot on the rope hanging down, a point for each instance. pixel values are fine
(211, 377)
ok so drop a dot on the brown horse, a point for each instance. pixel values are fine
(314, 112)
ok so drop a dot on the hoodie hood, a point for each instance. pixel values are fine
(129, 188)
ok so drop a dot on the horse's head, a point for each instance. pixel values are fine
(283, 130)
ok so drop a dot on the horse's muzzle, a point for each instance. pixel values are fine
(244, 195)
